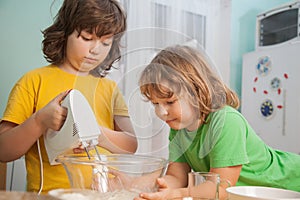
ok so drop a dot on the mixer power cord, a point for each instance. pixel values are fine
(41, 166)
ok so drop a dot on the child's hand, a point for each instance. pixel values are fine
(164, 192)
(79, 149)
(53, 115)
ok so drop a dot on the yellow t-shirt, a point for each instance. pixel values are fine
(35, 89)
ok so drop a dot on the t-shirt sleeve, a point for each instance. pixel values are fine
(21, 103)
(230, 147)
(119, 107)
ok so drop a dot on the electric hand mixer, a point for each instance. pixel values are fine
(80, 127)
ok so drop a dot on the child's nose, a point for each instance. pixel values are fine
(161, 110)
(96, 48)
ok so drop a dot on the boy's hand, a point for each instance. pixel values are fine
(53, 115)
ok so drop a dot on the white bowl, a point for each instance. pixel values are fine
(260, 193)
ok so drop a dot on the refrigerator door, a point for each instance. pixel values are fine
(271, 94)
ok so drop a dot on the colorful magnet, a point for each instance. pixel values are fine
(267, 108)
(275, 83)
(264, 66)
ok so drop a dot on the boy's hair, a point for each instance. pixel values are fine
(101, 17)
(182, 70)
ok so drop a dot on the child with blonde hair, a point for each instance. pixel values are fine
(207, 133)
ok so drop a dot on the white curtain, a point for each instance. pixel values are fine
(153, 25)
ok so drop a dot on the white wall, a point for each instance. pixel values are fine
(141, 46)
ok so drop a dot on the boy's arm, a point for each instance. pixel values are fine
(120, 140)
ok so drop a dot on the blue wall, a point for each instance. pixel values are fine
(243, 29)
(21, 23)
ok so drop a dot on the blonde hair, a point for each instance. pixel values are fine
(186, 71)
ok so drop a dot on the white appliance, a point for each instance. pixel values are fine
(271, 79)
(80, 127)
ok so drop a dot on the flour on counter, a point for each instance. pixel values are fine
(93, 195)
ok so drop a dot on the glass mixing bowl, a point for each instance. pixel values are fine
(111, 175)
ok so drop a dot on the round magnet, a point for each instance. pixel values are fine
(267, 108)
(264, 66)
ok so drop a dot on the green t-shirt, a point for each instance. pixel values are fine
(228, 140)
